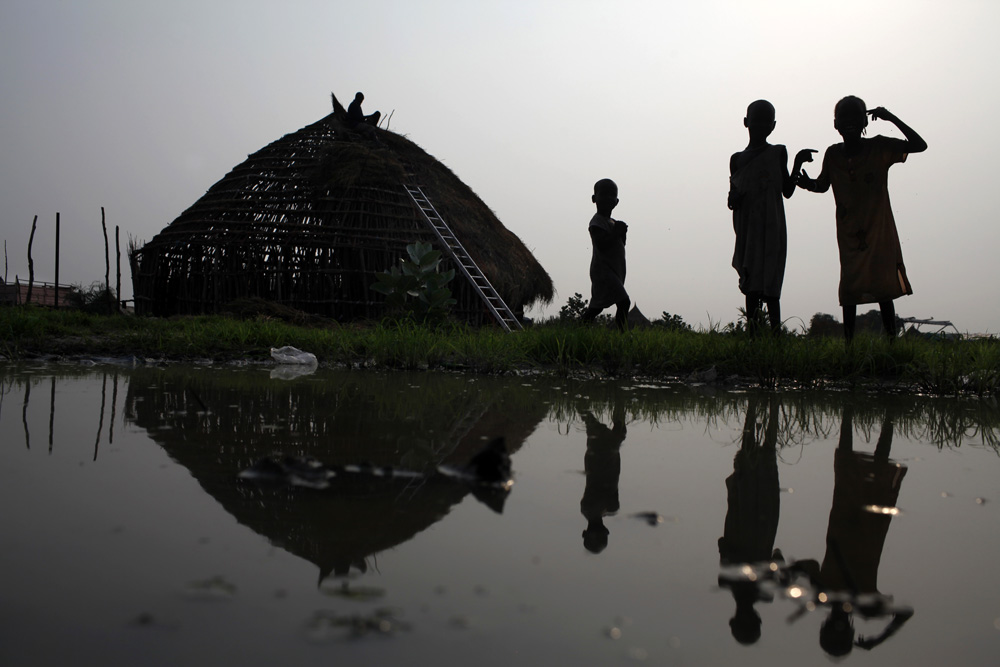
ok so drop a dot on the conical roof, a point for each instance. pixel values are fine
(309, 220)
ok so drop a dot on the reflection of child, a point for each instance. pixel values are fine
(753, 505)
(758, 177)
(602, 464)
(871, 260)
(865, 486)
(607, 264)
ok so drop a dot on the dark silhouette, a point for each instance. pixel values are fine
(602, 464)
(752, 516)
(398, 478)
(487, 474)
(355, 116)
(607, 264)
(865, 490)
(758, 178)
(871, 259)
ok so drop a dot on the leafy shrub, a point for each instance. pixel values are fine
(416, 289)
(575, 306)
(574, 309)
(672, 322)
(96, 299)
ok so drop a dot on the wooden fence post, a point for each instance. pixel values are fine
(57, 261)
(118, 271)
(31, 262)
(107, 263)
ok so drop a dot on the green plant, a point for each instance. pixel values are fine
(97, 298)
(672, 322)
(574, 308)
(417, 287)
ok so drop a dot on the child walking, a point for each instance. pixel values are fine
(758, 178)
(607, 263)
(871, 259)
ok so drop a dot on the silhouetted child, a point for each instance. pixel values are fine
(607, 264)
(871, 260)
(758, 178)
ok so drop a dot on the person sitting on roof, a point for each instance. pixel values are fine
(355, 116)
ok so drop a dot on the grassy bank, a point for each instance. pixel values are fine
(919, 364)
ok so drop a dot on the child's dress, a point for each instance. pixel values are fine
(871, 260)
(759, 223)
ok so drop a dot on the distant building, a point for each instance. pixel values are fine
(40, 294)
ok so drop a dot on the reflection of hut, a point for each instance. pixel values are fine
(308, 221)
(216, 423)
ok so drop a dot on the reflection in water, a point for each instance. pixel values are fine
(99, 520)
(8, 382)
(752, 515)
(865, 491)
(602, 465)
(24, 415)
(219, 423)
(487, 474)
(866, 487)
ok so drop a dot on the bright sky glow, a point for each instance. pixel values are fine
(140, 107)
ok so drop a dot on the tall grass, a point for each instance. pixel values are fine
(925, 365)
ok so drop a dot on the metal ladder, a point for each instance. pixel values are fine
(504, 317)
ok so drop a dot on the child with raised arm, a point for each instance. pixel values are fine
(607, 263)
(758, 178)
(871, 259)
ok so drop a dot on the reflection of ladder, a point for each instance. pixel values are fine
(450, 441)
(472, 272)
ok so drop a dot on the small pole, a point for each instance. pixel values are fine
(114, 403)
(118, 264)
(57, 260)
(52, 411)
(24, 414)
(107, 261)
(31, 262)
(100, 423)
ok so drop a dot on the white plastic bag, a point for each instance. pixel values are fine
(293, 355)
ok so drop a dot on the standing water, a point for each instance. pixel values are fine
(647, 524)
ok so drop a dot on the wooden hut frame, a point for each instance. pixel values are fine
(308, 221)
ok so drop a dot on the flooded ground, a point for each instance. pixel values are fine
(647, 524)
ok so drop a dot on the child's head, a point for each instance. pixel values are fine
(605, 196)
(836, 634)
(850, 117)
(760, 119)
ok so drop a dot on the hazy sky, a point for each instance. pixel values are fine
(140, 107)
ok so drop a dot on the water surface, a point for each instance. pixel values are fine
(647, 524)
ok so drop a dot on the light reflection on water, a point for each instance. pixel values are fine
(647, 523)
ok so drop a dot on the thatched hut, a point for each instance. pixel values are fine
(308, 221)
